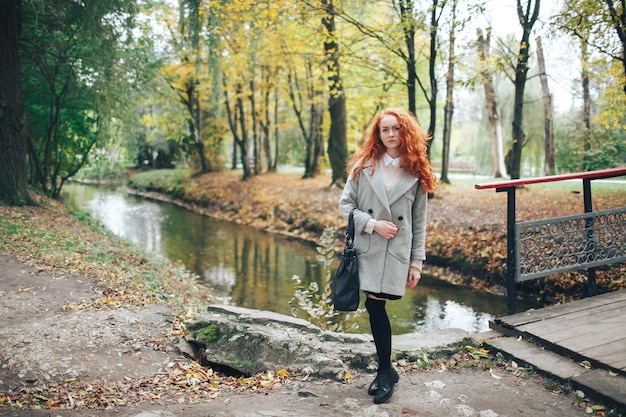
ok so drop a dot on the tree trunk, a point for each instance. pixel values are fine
(586, 110)
(449, 108)
(547, 108)
(619, 23)
(276, 132)
(312, 136)
(195, 122)
(317, 116)
(432, 71)
(256, 148)
(337, 141)
(13, 143)
(243, 139)
(527, 19)
(491, 103)
(266, 122)
(235, 121)
(408, 24)
(233, 159)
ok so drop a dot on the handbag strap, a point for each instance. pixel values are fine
(350, 229)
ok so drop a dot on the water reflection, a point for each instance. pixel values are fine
(254, 269)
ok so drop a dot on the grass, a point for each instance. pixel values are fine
(51, 240)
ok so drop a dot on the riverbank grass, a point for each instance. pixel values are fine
(52, 240)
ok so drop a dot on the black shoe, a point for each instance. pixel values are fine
(374, 385)
(385, 386)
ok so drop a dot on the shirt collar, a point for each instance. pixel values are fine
(394, 162)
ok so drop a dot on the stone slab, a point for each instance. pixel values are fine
(598, 384)
(546, 362)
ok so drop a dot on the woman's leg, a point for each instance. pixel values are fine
(382, 386)
(381, 331)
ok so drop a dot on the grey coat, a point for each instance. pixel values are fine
(384, 264)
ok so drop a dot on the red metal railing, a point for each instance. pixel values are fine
(510, 187)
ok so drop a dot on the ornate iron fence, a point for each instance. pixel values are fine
(551, 246)
(563, 244)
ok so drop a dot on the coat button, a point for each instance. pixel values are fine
(370, 211)
(400, 218)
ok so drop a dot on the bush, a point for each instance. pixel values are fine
(579, 150)
(318, 303)
(163, 180)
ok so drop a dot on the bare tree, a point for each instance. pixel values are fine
(527, 17)
(491, 102)
(547, 108)
(237, 123)
(435, 16)
(311, 97)
(449, 107)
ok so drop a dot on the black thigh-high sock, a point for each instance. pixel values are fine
(381, 330)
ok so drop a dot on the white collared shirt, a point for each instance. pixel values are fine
(391, 171)
(389, 160)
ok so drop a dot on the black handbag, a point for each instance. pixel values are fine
(346, 294)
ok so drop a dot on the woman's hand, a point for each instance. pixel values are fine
(386, 229)
(414, 277)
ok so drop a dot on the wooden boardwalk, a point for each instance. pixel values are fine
(591, 329)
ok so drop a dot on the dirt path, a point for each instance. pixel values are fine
(45, 342)
(43, 339)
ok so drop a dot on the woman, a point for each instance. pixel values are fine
(388, 185)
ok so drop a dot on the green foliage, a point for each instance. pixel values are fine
(578, 150)
(318, 303)
(74, 73)
(169, 181)
(102, 169)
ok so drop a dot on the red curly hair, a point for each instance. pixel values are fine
(413, 148)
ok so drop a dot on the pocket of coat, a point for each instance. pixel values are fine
(400, 245)
(362, 243)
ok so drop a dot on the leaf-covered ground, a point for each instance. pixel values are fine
(465, 226)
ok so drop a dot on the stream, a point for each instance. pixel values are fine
(249, 268)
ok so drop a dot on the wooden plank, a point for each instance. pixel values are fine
(571, 324)
(591, 329)
(562, 309)
(611, 354)
(598, 326)
(615, 348)
(589, 337)
(620, 364)
(608, 313)
(613, 357)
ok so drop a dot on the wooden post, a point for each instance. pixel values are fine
(592, 288)
(511, 253)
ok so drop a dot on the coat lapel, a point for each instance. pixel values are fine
(404, 184)
(376, 182)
